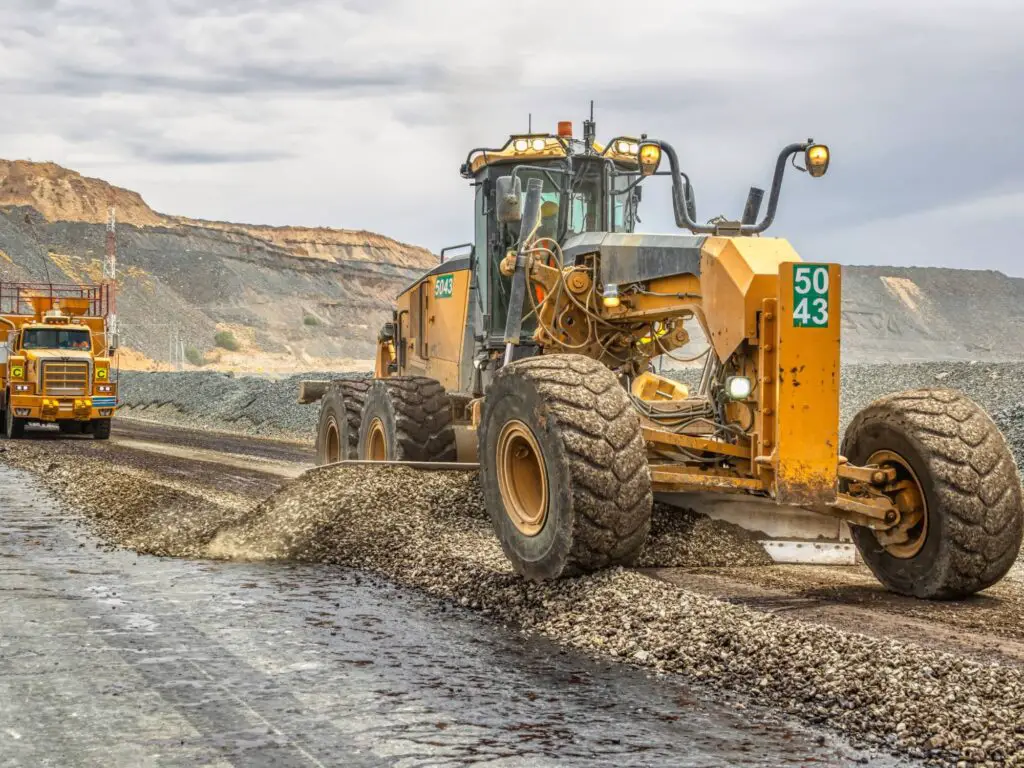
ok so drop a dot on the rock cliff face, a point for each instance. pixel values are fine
(292, 297)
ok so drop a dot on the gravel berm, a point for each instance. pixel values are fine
(429, 531)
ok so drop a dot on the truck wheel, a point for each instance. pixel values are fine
(14, 428)
(101, 429)
(341, 410)
(564, 467)
(957, 489)
(407, 418)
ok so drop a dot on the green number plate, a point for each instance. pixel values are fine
(810, 296)
(443, 286)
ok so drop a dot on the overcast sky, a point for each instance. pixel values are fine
(358, 113)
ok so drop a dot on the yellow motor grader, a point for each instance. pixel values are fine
(534, 356)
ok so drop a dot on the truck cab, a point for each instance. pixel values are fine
(55, 361)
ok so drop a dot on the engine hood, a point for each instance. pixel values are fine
(635, 257)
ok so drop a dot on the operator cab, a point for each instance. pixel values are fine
(586, 188)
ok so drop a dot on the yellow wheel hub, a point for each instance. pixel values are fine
(906, 539)
(377, 442)
(522, 478)
(333, 442)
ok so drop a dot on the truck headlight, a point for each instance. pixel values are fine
(738, 387)
(22, 387)
(103, 388)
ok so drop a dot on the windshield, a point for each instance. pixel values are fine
(55, 338)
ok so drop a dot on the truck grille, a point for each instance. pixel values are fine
(64, 379)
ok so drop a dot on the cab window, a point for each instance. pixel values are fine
(55, 338)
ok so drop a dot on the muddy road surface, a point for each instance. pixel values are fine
(112, 658)
(827, 646)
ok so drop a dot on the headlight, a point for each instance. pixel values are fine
(816, 159)
(538, 145)
(610, 295)
(103, 388)
(650, 158)
(22, 387)
(521, 145)
(622, 147)
(738, 387)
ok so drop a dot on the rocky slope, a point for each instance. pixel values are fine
(292, 297)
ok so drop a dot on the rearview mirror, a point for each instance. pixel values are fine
(509, 194)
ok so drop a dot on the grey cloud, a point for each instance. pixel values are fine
(156, 154)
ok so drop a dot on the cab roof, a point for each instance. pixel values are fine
(525, 147)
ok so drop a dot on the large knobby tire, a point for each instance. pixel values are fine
(341, 409)
(564, 467)
(407, 418)
(971, 530)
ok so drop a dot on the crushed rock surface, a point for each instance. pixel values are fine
(251, 405)
(429, 531)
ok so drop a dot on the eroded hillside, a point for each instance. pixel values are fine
(291, 297)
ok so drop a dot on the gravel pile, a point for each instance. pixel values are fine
(251, 405)
(131, 507)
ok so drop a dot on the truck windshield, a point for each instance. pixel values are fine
(55, 338)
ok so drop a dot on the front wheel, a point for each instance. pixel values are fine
(564, 467)
(101, 429)
(957, 489)
(14, 428)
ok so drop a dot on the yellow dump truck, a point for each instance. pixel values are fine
(55, 358)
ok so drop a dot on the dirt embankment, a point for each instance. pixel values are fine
(292, 297)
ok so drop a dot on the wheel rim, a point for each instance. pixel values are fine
(333, 442)
(522, 478)
(377, 444)
(906, 539)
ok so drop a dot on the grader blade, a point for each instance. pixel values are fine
(788, 534)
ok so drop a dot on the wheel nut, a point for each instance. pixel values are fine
(890, 517)
(878, 477)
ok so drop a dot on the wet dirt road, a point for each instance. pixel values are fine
(111, 658)
(988, 626)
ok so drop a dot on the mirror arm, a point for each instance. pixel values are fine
(773, 199)
(680, 183)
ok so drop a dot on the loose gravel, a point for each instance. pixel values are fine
(251, 405)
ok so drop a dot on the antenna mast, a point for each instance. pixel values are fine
(110, 268)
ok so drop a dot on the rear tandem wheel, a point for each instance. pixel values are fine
(407, 418)
(341, 410)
